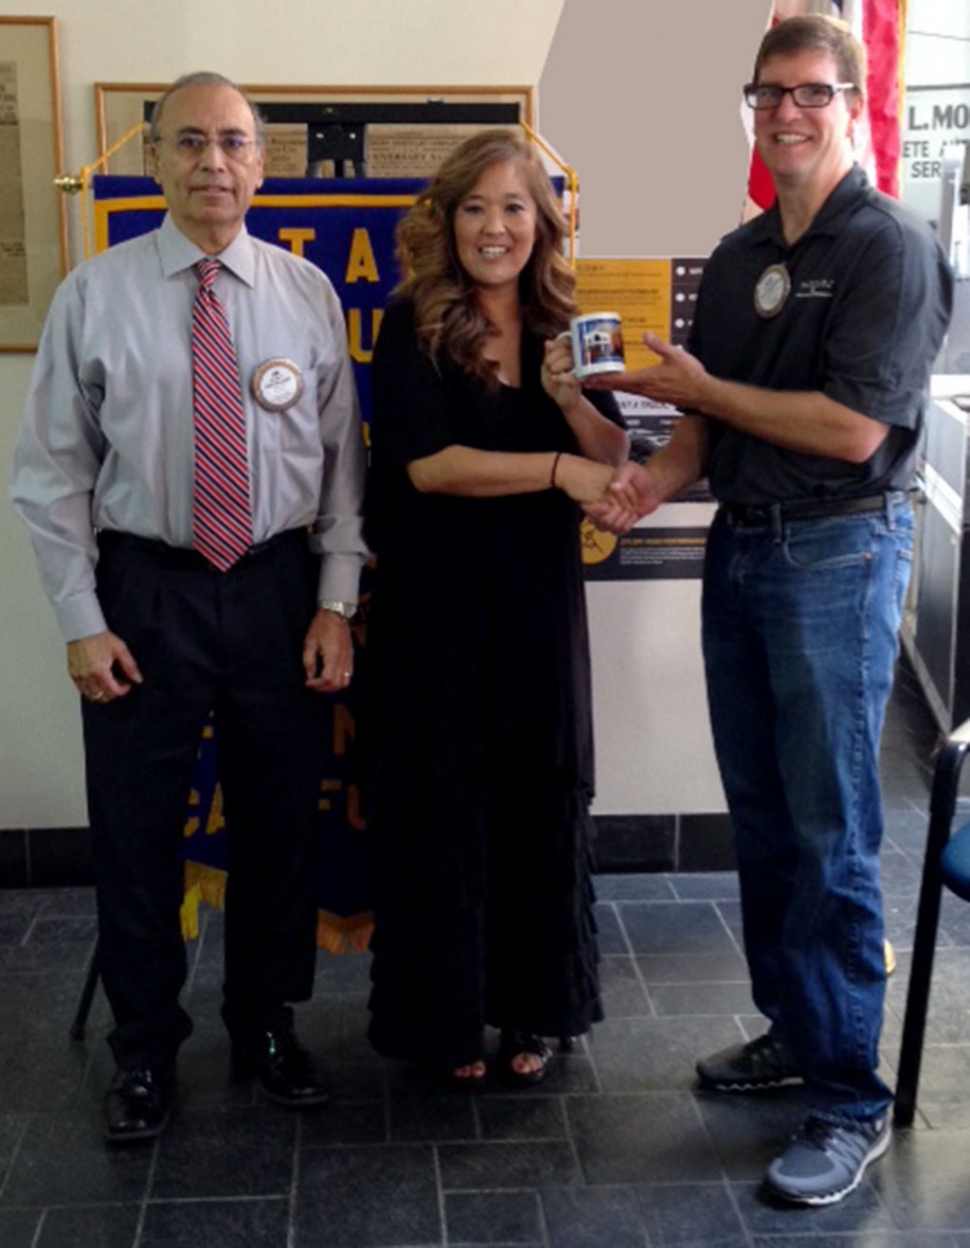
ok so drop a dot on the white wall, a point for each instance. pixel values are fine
(938, 44)
(937, 56)
(660, 177)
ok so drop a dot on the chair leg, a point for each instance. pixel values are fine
(946, 778)
(87, 996)
(917, 999)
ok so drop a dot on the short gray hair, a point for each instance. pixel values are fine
(202, 78)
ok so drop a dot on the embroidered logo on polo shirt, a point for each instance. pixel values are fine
(815, 288)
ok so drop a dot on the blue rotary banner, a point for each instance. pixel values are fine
(346, 228)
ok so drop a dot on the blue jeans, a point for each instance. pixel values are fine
(800, 630)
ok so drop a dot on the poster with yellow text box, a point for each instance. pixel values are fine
(658, 295)
(638, 291)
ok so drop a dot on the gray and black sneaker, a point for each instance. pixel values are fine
(759, 1064)
(824, 1163)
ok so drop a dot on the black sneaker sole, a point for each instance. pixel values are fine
(761, 1085)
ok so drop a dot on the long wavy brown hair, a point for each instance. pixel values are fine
(450, 322)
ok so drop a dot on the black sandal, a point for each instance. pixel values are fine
(512, 1044)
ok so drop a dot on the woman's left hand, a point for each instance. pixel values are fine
(558, 379)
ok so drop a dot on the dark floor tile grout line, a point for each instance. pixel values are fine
(490, 1191)
(574, 1151)
(373, 1145)
(943, 1044)
(279, 1198)
(709, 1138)
(243, 1198)
(698, 983)
(54, 1207)
(591, 1057)
(143, 1204)
(39, 1229)
(727, 927)
(694, 876)
(15, 1155)
(914, 859)
(295, 1184)
(388, 1116)
(654, 1012)
(746, 1231)
(86, 1075)
(739, 1020)
(440, 1189)
(541, 1209)
(517, 1139)
(667, 901)
(670, 883)
(636, 970)
(25, 940)
(563, 1116)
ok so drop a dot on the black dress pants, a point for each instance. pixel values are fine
(205, 641)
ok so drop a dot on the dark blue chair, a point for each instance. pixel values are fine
(955, 863)
(947, 864)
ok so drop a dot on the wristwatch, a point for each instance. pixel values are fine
(346, 610)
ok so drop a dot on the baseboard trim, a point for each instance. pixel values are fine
(45, 858)
(61, 857)
(685, 842)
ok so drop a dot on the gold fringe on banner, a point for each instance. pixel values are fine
(338, 935)
(208, 884)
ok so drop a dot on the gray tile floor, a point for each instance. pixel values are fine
(617, 1150)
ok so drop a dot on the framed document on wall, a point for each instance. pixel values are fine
(375, 132)
(33, 216)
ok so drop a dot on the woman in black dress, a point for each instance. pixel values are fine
(484, 449)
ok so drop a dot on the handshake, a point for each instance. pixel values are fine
(616, 498)
(613, 498)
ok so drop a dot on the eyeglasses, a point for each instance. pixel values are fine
(763, 96)
(236, 147)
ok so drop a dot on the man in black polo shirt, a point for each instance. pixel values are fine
(804, 386)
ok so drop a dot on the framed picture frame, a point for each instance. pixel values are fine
(33, 214)
(403, 132)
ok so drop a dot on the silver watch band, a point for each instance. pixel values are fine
(346, 610)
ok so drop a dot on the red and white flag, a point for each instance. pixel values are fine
(876, 23)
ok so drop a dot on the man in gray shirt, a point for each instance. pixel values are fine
(191, 472)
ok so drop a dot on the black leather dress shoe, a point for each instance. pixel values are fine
(138, 1104)
(281, 1065)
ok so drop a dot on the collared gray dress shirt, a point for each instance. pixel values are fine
(108, 438)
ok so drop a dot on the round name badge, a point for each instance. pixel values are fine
(771, 291)
(277, 385)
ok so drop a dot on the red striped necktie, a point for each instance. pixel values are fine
(221, 518)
